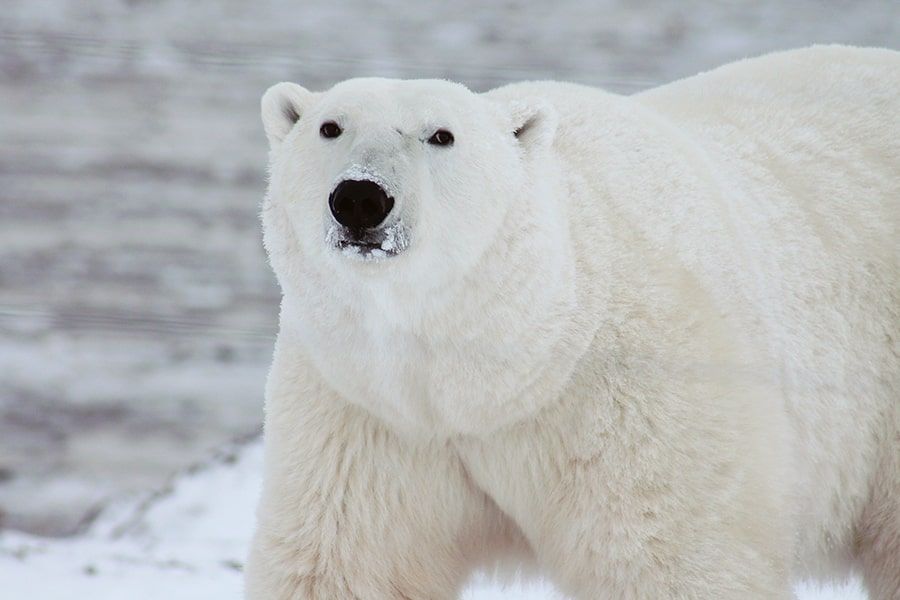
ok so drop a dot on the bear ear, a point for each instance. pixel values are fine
(282, 105)
(533, 122)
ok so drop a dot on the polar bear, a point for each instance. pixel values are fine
(647, 345)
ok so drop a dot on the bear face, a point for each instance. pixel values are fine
(398, 214)
(397, 178)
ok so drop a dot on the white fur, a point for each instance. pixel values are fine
(650, 344)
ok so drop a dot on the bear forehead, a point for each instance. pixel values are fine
(371, 94)
(400, 87)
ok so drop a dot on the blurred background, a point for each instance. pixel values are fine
(137, 312)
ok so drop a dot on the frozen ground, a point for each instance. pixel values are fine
(187, 542)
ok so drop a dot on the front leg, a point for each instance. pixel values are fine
(624, 498)
(350, 510)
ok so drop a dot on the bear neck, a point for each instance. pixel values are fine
(498, 344)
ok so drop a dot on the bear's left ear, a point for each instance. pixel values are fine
(282, 105)
(533, 122)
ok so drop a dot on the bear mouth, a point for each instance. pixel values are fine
(368, 244)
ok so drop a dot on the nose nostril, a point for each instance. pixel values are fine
(360, 204)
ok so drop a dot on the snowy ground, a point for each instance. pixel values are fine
(187, 542)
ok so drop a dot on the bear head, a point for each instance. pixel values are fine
(418, 234)
(409, 180)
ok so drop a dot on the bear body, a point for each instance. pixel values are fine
(648, 345)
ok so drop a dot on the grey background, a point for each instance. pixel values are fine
(137, 312)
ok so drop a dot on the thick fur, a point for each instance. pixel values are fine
(650, 344)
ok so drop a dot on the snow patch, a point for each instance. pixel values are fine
(357, 172)
(394, 239)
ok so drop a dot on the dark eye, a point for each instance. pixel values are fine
(330, 129)
(441, 137)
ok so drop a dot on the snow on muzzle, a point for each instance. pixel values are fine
(361, 226)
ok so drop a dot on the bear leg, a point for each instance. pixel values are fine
(352, 511)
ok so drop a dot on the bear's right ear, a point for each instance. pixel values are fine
(282, 105)
(533, 122)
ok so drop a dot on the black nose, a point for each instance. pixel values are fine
(359, 204)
